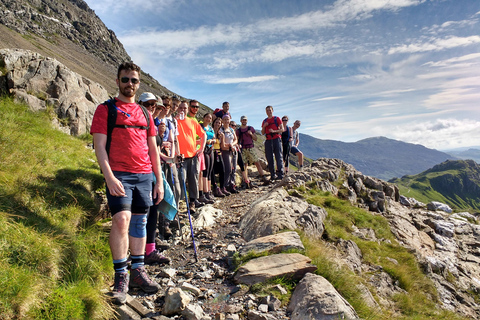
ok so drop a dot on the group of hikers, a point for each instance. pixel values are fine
(193, 159)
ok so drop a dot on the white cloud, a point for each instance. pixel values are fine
(453, 62)
(440, 133)
(328, 98)
(436, 45)
(242, 80)
(381, 104)
(109, 7)
(341, 11)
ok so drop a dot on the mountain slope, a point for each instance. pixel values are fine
(379, 156)
(456, 183)
(73, 34)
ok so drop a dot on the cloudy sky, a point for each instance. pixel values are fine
(348, 69)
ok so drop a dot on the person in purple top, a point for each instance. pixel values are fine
(246, 136)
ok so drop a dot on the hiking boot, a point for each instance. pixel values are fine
(141, 280)
(156, 257)
(268, 182)
(225, 191)
(210, 196)
(205, 199)
(167, 233)
(191, 206)
(120, 288)
(199, 203)
(218, 193)
(233, 189)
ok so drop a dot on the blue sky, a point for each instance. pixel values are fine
(348, 69)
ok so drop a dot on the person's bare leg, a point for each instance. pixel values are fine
(119, 239)
(259, 168)
(300, 158)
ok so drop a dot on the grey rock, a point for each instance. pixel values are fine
(263, 268)
(315, 298)
(276, 243)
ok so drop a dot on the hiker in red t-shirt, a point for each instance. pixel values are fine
(272, 128)
(127, 157)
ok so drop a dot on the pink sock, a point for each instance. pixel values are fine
(149, 248)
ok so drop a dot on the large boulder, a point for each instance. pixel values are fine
(43, 82)
(315, 298)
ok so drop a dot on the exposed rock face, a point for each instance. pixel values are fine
(44, 82)
(277, 211)
(368, 192)
(72, 20)
(447, 246)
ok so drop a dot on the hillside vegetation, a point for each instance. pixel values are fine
(54, 259)
(456, 183)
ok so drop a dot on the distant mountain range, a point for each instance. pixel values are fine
(469, 154)
(378, 157)
(456, 183)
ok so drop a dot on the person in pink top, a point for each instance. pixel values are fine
(127, 165)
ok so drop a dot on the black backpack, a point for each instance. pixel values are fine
(112, 119)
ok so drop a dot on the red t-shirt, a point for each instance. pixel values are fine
(271, 125)
(188, 129)
(129, 147)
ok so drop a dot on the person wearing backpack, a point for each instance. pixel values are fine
(246, 136)
(272, 128)
(287, 137)
(127, 154)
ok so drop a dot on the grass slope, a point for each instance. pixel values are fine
(54, 260)
(420, 297)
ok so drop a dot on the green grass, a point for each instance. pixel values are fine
(419, 301)
(54, 259)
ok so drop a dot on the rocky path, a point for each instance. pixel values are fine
(208, 282)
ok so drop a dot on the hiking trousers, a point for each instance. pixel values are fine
(273, 148)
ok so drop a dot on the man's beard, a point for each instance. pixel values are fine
(128, 91)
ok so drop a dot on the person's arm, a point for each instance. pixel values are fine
(222, 141)
(235, 140)
(297, 140)
(253, 134)
(155, 159)
(264, 126)
(291, 134)
(115, 187)
(203, 138)
(280, 128)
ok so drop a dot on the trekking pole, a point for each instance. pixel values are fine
(188, 210)
(177, 215)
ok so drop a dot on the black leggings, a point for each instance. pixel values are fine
(207, 173)
(286, 153)
(240, 162)
(218, 168)
(152, 222)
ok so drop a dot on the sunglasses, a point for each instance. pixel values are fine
(196, 107)
(149, 104)
(284, 119)
(126, 79)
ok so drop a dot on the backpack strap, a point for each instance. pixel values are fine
(112, 120)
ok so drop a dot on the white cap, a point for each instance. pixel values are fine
(147, 96)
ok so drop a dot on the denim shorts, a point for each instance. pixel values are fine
(138, 193)
(294, 150)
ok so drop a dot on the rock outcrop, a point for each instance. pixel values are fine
(72, 20)
(42, 83)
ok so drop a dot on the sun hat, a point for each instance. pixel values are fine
(146, 96)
